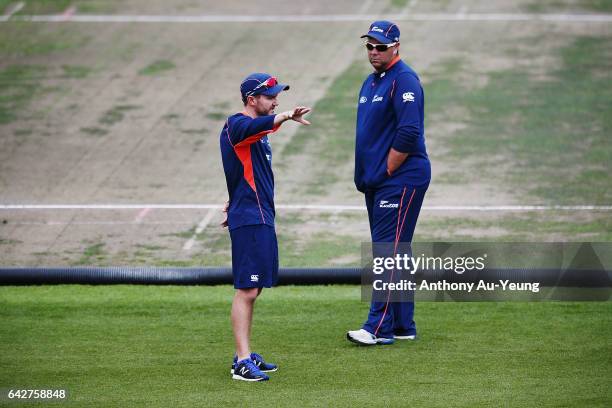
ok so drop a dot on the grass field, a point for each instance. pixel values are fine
(146, 346)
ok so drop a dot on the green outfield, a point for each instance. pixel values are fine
(148, 346)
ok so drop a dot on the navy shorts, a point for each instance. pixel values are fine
(254, 256)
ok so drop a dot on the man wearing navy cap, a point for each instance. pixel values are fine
(392, 169)
(247, 162)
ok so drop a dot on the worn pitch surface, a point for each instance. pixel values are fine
(130, 114)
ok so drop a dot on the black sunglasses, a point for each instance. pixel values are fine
(379, 47)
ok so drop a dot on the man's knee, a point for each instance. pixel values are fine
(249, 293)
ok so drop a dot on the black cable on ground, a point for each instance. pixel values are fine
(287, 276)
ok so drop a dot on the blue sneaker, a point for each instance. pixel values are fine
(246, 370)
(259, 362)
(262, 365)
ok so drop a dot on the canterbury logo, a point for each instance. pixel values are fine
(408, 97)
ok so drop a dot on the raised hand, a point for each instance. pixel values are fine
(298, 114)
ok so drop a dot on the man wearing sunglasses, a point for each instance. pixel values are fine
(392, 169)
(247, 162)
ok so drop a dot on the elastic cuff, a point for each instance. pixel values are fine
(404, 147)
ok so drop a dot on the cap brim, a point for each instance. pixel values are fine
(379, 37)
(275, 90)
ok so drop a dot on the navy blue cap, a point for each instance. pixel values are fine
(259, 83)
(384, 31)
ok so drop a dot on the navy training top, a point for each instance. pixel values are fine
(390, 114)
(247, 163)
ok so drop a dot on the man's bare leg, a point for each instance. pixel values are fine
(242, 317)
(251, 316)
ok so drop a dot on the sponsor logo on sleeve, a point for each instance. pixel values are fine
(363, 99)
(408, 97)
(377, 98)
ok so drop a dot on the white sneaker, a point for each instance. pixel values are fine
(364, 337)
(411, 337)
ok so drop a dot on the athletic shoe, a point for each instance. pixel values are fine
(410, 337)
(246, 370)
(366, 338)
(262, 365)
(259, 362)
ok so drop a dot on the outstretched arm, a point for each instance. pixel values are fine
(297, 114)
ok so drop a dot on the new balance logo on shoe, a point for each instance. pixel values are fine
(246, 370)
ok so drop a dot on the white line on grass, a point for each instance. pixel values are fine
(203, 224)
(52, 223)
(15, 8)
(315, 207)
(109, 206)
(519, 208)
(313, 18)
(141, 215)
(69, 12)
